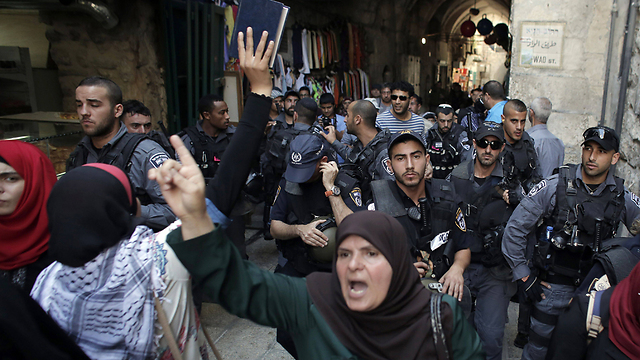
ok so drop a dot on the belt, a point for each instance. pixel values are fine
(561, 279)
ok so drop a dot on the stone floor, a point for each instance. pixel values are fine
(237, 338)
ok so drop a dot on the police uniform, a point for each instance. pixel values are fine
(488, 276)
(301, 204)
(442, 234)
(145, 156)
(447, 150)
(367, 163)
(521, 168)
(209, 149)
(563, 268)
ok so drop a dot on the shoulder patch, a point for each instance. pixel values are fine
(277, 193)
(634, 198)
(356, 196)
(386, 167)
(536, 189)
(460, 223)
(157, 159)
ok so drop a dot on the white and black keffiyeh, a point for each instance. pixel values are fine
(107, 305)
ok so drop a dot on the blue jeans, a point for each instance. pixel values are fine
(492, 302)
(556, 300)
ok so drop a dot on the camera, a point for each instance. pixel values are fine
(325, 121)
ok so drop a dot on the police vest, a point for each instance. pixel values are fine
(581, 222)
(118, 154)
(277, 149)
(443, 150)
(442, 213)
(358, 163)
(207, 151)
(520, 164)
(486, 215)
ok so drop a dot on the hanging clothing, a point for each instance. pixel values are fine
(296, 45)
(305, 54)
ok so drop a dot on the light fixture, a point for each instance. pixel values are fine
(424, 41)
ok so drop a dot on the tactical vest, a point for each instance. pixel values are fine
(581, 222)
(358, 163)
(486, 215)
(520, 165)
(277, 149)
(443, 150)
(208, 152)
(303, 211)
(118, 154)
(443, 206)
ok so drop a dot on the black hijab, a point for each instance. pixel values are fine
(400, 328)
(90, 209)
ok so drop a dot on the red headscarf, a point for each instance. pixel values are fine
(624, 310)
(25, 232)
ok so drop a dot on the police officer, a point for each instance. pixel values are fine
(99, 105)
(428, 210)
(301, 198)
(137, 118)
(520, 162)
(488, 276)
(209, 137)
(273, 161)
(368, 159)
(582, 206)
(447, 143)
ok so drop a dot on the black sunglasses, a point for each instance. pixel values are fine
(401, 97)
(601, 132)
(483, 143)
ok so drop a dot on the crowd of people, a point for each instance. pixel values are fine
(402, 234)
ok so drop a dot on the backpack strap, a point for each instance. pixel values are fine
(436, 326)
(566, 197)
(122, 151)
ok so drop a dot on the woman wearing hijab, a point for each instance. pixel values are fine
(26, 179)
(108, 270)
(372, 306)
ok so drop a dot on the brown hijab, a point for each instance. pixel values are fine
(400, 328)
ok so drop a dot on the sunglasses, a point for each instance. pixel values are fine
(600, 132)
(483, 143)
(401, 97)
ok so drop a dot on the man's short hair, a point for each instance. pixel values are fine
(327, 98)
(206, 102)
(476, 89)
(494, 89)
(376, 86)
(515, 105)
(291, 93)
(133, 107)
(541, 107)
(387, 85)
(304, 88)
(366, 110)
(306, 109)
(403, 86)
(114, 93)
(418, 98)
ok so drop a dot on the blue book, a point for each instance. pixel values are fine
(261, 15)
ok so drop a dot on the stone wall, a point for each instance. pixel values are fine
(127, 54)
(576, 88)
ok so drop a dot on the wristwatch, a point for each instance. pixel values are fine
(335, 191)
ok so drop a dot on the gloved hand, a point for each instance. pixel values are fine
(531, 288)
(514, 197)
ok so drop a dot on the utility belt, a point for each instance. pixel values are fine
(490, 255)
(567, 266)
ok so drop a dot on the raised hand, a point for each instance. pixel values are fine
(256, 66)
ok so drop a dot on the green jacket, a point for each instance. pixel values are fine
(281, 301)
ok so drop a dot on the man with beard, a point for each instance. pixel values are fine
(520, 161)
(429, 211)
(488, 276)
(447, 143)
(582, 206)
(399, 118)
(367, 159)
(285, 119)
(99, 105)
